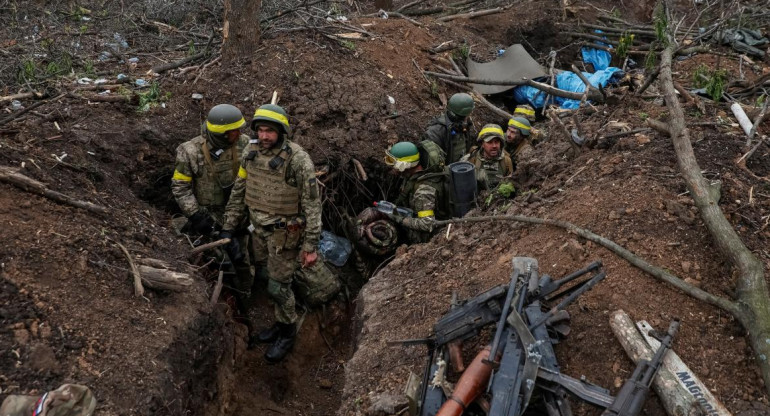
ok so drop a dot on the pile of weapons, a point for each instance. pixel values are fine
(518, 371)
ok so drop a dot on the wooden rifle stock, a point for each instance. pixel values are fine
(471, 384)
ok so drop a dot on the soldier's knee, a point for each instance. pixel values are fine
(278, 291)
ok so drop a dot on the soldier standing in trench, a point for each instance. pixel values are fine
(204, 173)
(493, 165)
(452, 129)
(276, 182)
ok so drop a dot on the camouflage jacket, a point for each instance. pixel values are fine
(454, 138)
(518, 152)
(201, 182)
(422, 193)
(300, 174)
(490, 172)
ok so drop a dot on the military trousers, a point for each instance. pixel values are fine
(278, 249)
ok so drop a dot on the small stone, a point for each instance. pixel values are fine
(642, 139)
(45, 331)
(197, 96)
(614, 215)
(692, 281)
(387, 404)
(573, 248)
(686, 266)
(21, 336)
(325, 383)
(618, 382)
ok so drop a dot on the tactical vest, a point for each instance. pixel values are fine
(495, 169)
(266, 187)
(456, 137)
(212, 187)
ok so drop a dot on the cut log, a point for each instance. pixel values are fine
(669, 384)
(207, 246)
(164, 279)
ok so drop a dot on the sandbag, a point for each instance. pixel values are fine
(67, 400)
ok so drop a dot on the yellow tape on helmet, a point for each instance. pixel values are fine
(222, 128)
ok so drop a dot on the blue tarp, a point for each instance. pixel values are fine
(567, 81)
(598, 58)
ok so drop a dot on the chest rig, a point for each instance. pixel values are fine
(213, 186)
(267, 188)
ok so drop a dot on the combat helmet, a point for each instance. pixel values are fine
(491, 131)
(521, 124)
(402, 156)
(223, 118)
(272, 115)
(525, 111)
(461, 104)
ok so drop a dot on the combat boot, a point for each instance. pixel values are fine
(283, 345)
(266, 335)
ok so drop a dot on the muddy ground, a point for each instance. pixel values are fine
(67, 310)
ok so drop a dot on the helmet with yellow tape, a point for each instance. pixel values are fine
(526, 111)
(521, 124)
(402, 156)
(223, 118)
(271, 115)
(490, 132)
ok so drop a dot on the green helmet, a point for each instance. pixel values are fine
(223, 118)
(491, 131)
(522, 124)
(402, 156)
(525, 111)
(271, 115)
(461, 104)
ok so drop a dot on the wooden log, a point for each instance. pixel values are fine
(214, 244)
(686, 378)
(470, 15)
(676, 399)
(164, 279)
(172, 65)
(217, 289)
(20, 96)
(147, 261)
(13, 177)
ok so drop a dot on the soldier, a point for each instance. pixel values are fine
(525, 111)
(452, 130)
(276, 182)
(204, 172)
(423, 190)
(517, 139)
(493, 164)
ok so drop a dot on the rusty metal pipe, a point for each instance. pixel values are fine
(473, 381)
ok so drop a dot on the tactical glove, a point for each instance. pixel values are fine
(202, 223)
(233, 248)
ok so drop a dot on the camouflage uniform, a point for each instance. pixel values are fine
(201, 182)
(518, 152)
(285, 209)
(454, 138)
(490, 172)
(424, 193)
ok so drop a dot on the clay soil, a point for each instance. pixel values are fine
(67, 309)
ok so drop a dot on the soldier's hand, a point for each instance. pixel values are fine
(202, 223)
(396, 218)
(308, 258)
(233, 248)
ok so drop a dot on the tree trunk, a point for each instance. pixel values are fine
(241, 28)
(751, 289)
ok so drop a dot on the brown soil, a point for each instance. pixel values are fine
(67, 310)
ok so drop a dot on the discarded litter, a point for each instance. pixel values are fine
(133, 60)
(100, 81)
(16, 105)
(120, 40)
(334, 249)
(197, 96)
(140, 82)
(104, 55)
(85, 81)
(122, 77)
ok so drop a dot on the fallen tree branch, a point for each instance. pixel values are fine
(409, 5)
(625, 254)
(138, 288)
(32, 106)
(567, 135)
(592, 95)
(208, 246)
(402, 16)
(471, 15)
(495, 109)
(21, 181)
(164, 279)
(360, 170)
(650, 79)
(217, 289)
(20, 96)
(757, 121)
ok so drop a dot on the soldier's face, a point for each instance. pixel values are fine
(232, 136)
(512, 134)
(491, 148)
(268, 136)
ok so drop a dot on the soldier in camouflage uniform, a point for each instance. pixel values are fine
(423, 190)
(493, 164)
(277, 183)
(525, 111)
(452, 130)
(517, 139)
(204, 172)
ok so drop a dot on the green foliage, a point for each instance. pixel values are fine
(624, 44)
(27, 72)
(349, 44)
(644, 116)
(152, 98)
(700, 76)
(650, 60)
(660, 24)
(462, 52)
(761, 100)
(504, 190)
(433, 88)
(191, 49)
(713, 81)
(52, 69)
(83, 29)
(88, 67)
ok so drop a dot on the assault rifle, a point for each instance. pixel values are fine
(634, 392)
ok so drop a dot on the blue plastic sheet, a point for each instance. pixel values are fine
(334, 249)
(598, 58)
(567, 81)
